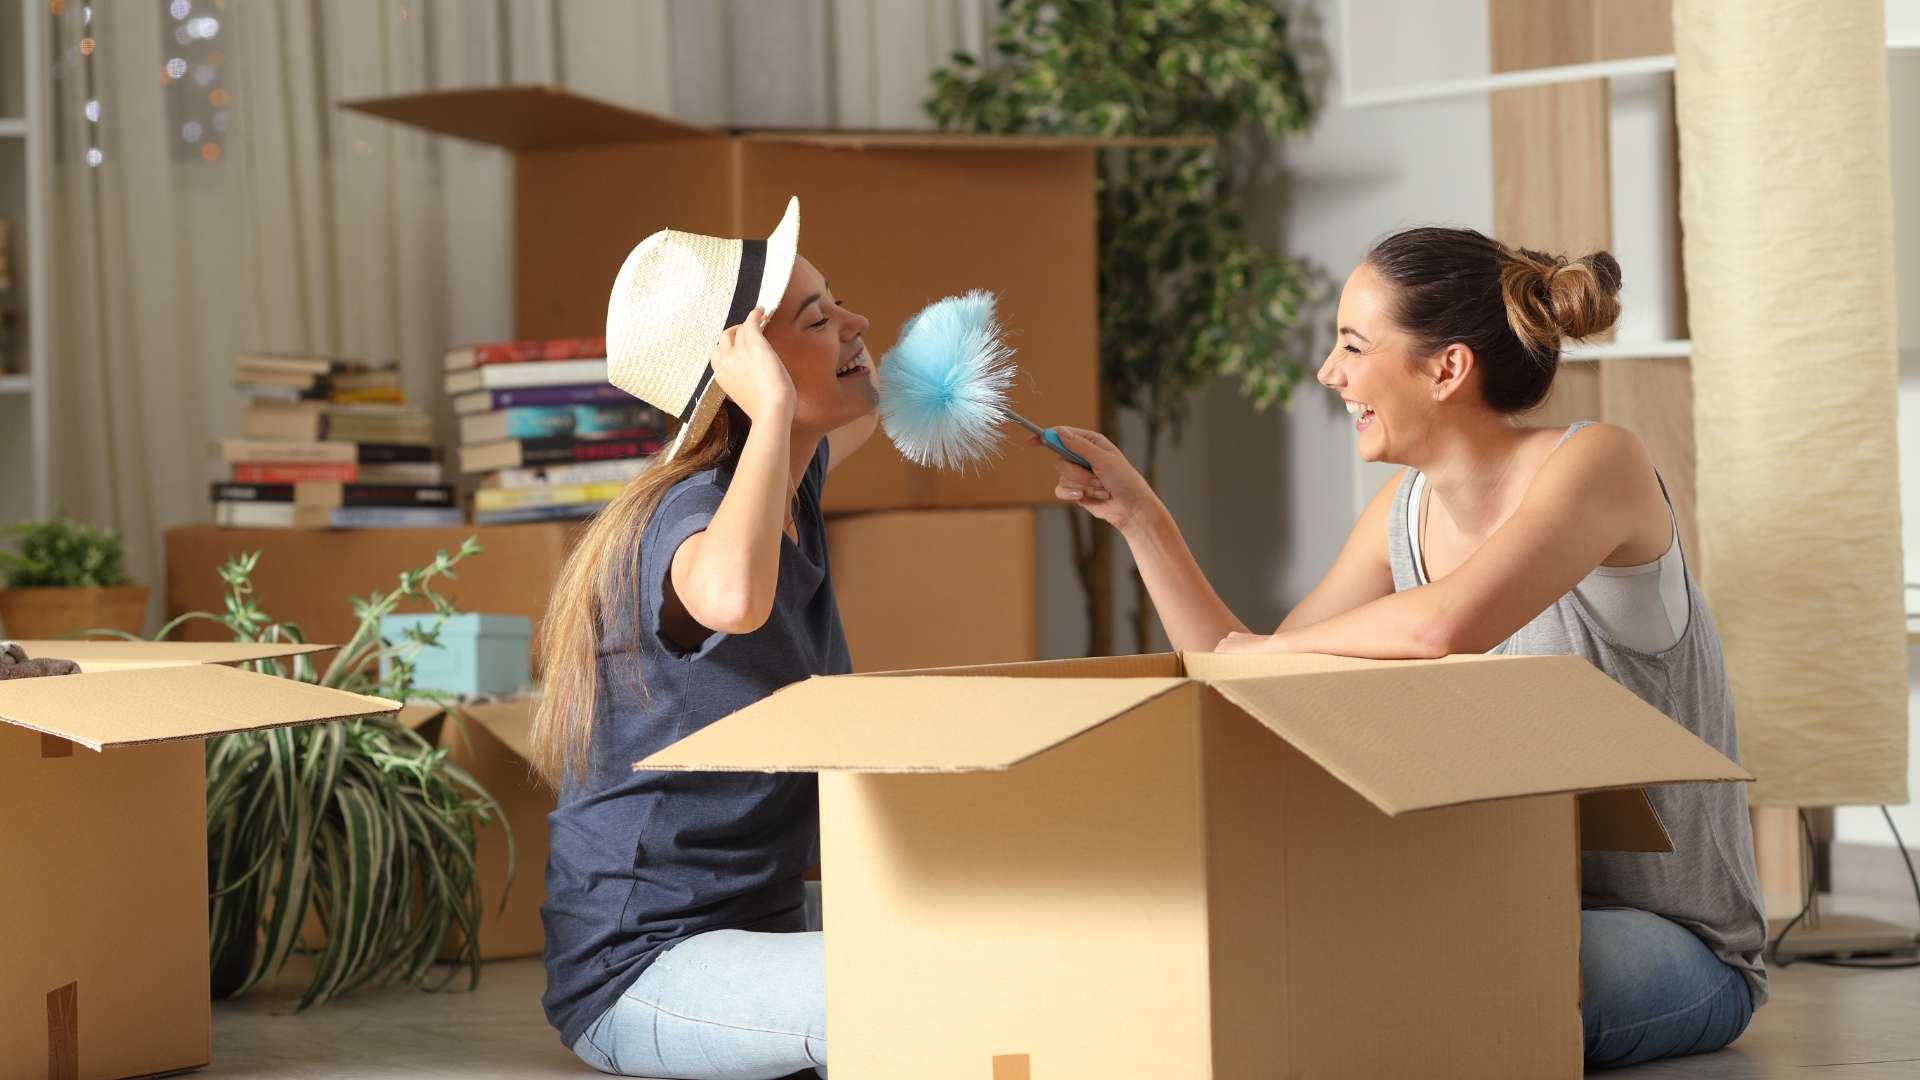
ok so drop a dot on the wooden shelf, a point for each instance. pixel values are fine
(13, 127)
(16, 384)
(1679, 348)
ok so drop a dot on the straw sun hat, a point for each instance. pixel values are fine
(673, 297)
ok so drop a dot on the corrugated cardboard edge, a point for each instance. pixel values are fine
(1234, 690)
(99, 654)
(374, 706)
(1093, 719)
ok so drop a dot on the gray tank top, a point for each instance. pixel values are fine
(1707, 883)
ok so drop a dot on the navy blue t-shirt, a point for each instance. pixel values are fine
(640, 861)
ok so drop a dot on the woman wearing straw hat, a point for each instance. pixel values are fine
(681, 938)
(1508, 539)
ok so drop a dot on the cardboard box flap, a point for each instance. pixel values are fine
(1416, 735)
(1621, 819)
(525, 117)
(1131, 666)
(509, 721)
(128, 708)
(960, 140)
(108, 655)
(420, 712)
(931, 724)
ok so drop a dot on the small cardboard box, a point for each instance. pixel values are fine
(1212, 866)
(103, 795)
(894, 219)
(973, 576)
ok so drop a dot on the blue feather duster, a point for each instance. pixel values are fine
(944, 385)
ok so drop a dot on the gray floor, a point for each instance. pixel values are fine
(1823, 1023)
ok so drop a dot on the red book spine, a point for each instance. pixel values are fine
(253, 472)
(521, 352)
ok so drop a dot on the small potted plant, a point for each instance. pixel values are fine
(64, 577)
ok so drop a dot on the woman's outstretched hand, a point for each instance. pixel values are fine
(1113, 490)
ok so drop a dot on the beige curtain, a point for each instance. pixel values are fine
(1786, 206)
(318, 230)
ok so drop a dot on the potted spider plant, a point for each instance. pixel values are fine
(359, 825)
(64, 577)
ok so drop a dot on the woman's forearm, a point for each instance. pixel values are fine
(739, 555)
(1404, 626)
(1192, 612)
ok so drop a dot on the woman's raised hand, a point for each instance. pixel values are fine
(751, 373)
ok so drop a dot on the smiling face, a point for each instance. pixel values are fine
(822, 344)
(1392, 392)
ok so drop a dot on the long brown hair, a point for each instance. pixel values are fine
(603, 567)
(1512, 306)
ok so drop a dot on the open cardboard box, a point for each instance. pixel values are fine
(103, 796)
(1199, 865)
(894, 220)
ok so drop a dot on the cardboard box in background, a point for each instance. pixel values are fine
(894, 221)
(1331, 842)
(308, 576)
(970, 578)
(936, 588)
(490, 741)
(103, 805)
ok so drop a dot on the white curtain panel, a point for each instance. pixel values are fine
(1786, 206)
(318, 230)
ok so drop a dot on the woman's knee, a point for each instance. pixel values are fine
(1651, 989)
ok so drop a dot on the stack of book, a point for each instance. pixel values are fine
(329, 443)
(544, 432)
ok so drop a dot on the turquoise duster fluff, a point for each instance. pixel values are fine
(944, 385)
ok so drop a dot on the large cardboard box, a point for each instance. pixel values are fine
(893, 219)
(936, 588)
(308, 576)
(103, 799)
(1212, 866)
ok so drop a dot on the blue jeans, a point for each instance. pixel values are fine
(1653, 990)
(723, 1005)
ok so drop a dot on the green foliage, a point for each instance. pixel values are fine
(61, 553)
(362, 820)
(1186, 294)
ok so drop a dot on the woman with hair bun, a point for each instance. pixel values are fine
(1498, 537)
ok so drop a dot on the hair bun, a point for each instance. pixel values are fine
(1549, 299)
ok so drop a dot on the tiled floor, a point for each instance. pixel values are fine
(1823, 1023)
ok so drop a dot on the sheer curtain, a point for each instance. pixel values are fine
(210, 199)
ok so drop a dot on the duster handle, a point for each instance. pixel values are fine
(1051, 438)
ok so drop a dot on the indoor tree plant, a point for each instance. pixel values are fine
(360, 821)
(64, 577)
(1186, 294)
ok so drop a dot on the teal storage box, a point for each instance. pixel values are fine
(477, 654)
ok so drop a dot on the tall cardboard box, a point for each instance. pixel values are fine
(936, 588)
(1212, 866)
(103, 800)
(308, 576)
(893, 219)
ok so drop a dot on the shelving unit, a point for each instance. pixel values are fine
(24, 185)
